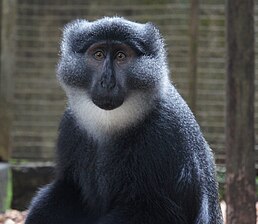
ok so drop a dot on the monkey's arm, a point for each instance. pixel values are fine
(156, 211)
(58, 202)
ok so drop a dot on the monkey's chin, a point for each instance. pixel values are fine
(107, 105)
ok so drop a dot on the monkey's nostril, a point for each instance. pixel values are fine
(111, 85)
(103, 84)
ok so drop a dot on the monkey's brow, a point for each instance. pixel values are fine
(136, 44)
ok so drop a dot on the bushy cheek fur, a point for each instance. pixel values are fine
(146, 73)
(73, 70)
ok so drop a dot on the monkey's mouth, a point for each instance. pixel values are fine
(108, 103)
(108, 99)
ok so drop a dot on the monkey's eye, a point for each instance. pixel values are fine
(99, 55)
(120, 56)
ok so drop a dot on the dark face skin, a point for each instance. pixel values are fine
(109, 62)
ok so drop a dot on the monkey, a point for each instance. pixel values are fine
(129, 149)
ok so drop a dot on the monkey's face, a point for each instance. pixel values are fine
(109, 62)
(111, 70)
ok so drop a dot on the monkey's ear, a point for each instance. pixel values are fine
(74, 35)
(153, 39)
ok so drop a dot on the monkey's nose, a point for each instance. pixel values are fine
(108, 83)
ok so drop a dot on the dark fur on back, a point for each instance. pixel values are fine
(156, 169)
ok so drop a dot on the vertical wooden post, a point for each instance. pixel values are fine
(8, 20)
(193, 53)
(240, 154)
(8, 48)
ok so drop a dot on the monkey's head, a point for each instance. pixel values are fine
(112, 70)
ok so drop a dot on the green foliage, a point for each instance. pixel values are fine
(19, 161)
(221, 178)
(256, 181)
(8, 199)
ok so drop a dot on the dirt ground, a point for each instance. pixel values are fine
(13, 217)
(17, 217)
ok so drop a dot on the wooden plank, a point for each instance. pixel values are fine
(8, 48)
(240, 153)
(8, 15)
(193, 51)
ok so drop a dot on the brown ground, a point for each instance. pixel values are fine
(16, 217)
(12, 217)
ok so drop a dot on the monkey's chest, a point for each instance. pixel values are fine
(122, 175)
(116, 173)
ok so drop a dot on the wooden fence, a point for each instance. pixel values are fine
(31, 31)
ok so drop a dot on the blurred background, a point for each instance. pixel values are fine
(32, 102)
